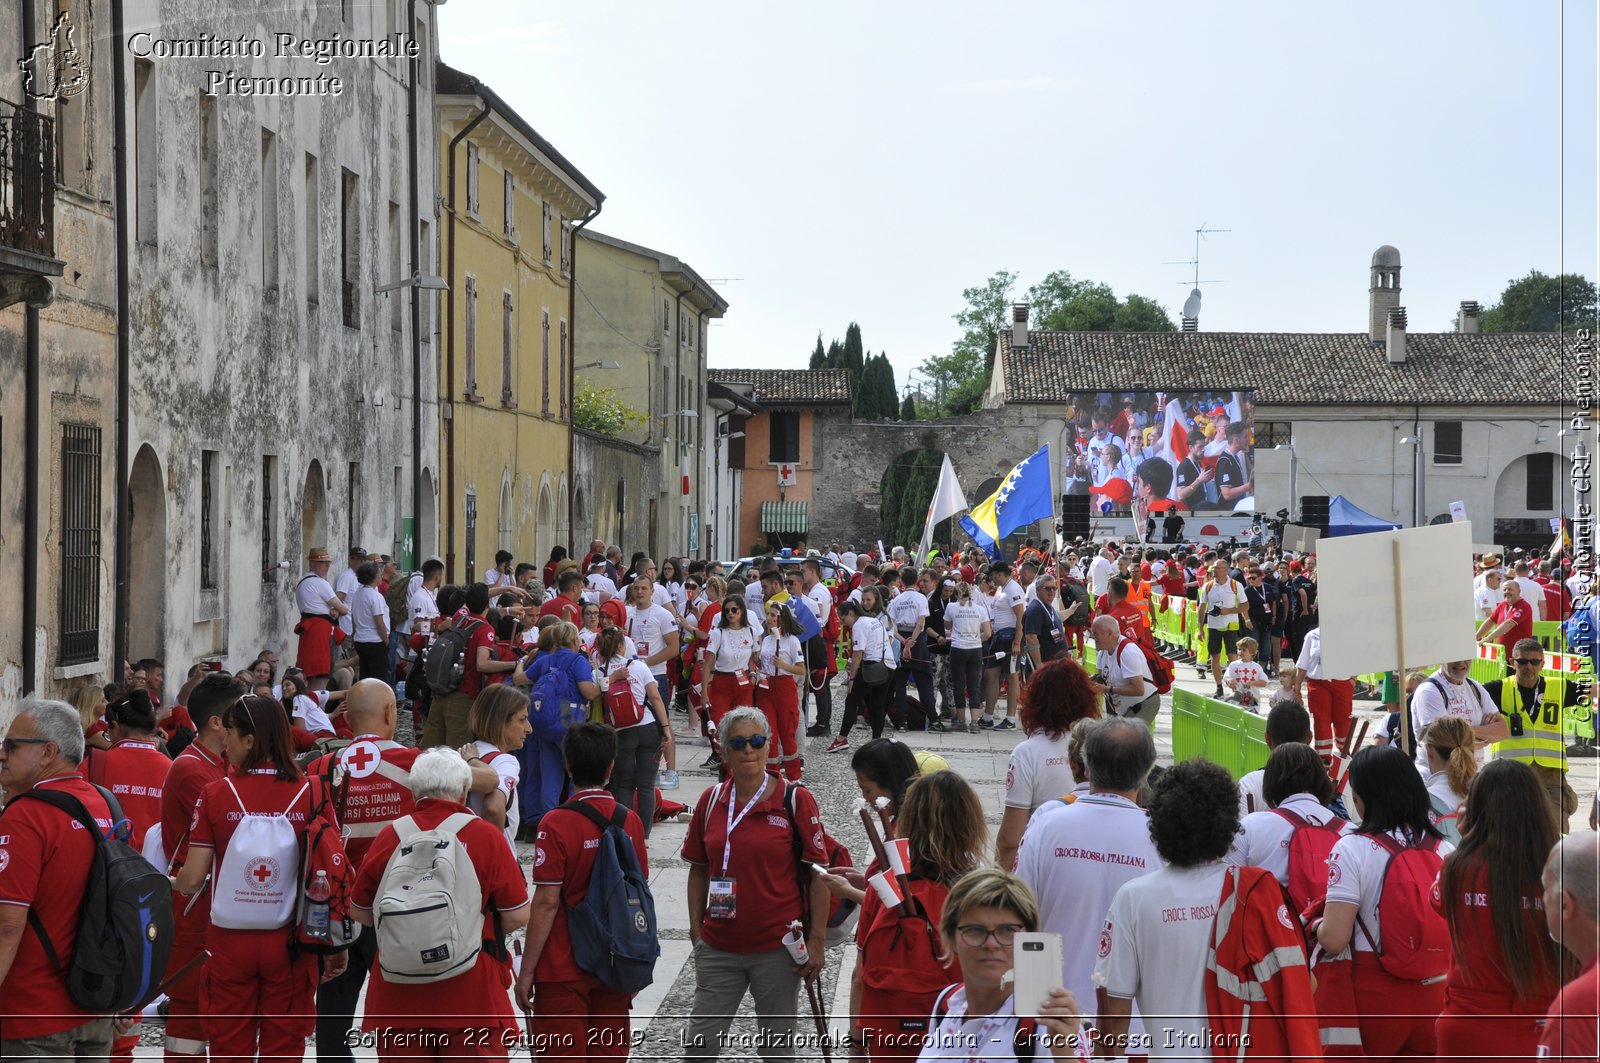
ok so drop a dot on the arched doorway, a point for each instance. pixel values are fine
(314, 511)
(1527, 493)
(544, 521)
(582, 525)
(147, 583)
(907, 488)
(564, 536)
(427, 507)
(507, 523)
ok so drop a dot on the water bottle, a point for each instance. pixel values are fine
(318, 894)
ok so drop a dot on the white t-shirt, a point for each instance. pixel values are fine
(1310, 661)
(346, 586)
(311, 709)
(907, 608)
(649, 628)
(664, 597)
(1125, 662)
(506, 766)
(848, 559)
(495, 578)
(1263, 838)
(821, 600)
(1438, 784)
(312, 595)
(1007, 599)
(637, 674)
(1466, 700)
(1101, 569)
(601, 589)
(730, 648)
(1250, 787)
(1224, 595)
(773, 650)
(754, 600)
(1075, 857)
(420, 604)
(1486, 598)
(870, 637)
(966, 625)
(1240, 675)
(1532, 593)
(1355, 876)
(1038, 771)
(1153, 951)
(366, 606)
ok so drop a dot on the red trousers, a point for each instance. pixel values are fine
(579, 1020)
(1397, 1017)
(1474, 1026)
(480, 1042)
(727, 693)
(1330, 702)
(185, 1034)
(258, 1003)
(780, 701)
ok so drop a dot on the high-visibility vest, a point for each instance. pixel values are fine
(1139, 595)
(1541, 741)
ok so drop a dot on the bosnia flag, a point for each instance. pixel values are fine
(1022, 498)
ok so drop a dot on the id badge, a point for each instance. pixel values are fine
(720, 901)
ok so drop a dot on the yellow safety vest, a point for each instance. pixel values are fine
(1235, 621)
(1541, 741)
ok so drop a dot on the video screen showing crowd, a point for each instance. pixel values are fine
(1144, 453)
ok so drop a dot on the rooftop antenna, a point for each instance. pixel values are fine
(1191, 306)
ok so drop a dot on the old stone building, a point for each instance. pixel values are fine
(58, 348)
(281, 317)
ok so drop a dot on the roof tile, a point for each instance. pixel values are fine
(778, 386)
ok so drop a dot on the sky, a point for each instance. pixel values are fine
(868, 161)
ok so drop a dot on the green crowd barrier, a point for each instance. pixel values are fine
(1550, 635)
(1220, 732)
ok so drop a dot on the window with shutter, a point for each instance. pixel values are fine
(547, 234)
(544, 361)
(561, 381)
(511, 206)
(472, 180)
(507, 397)
(471, 340)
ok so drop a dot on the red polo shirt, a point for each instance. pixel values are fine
(563, 607)
(135, 773)
(1520, 612)
(378, 791)
(1570, 1025)
(472, 680)
(476, 997)
(1130, 619)
(760, 861)
(44, 865)
(564, 856)
(193, 770)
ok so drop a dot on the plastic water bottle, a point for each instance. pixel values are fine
(318, 893)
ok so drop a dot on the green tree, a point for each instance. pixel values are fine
(1540, 303)
(835, 359)
(907, 488)
(854, 358)
(961, 377)
(908, 407)
(598, 410)
(819, 357)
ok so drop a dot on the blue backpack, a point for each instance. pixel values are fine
(613, 929)
(554, 703)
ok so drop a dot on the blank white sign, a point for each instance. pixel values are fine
(1356, 599)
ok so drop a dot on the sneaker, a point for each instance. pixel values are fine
(1007, 724)
(940, 726)
(685, 816)
(667, 779)
(1583, 749)
(958, 727)
(838, 745)
(986, 722)
(712, 761)
(817, 730)
(1218, 694)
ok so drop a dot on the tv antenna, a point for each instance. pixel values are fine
(1191, 306)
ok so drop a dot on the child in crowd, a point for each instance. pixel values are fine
(1243, 677)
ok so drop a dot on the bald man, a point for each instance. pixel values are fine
(1572, 914)
(1121, 673)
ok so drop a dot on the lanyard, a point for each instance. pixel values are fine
(734, 821)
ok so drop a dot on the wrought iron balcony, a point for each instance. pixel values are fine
(27, 205)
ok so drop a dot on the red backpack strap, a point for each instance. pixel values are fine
(1394, 849)
(1293, 818)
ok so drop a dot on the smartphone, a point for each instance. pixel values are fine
(1036, 969)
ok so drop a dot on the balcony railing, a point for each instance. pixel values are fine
(27, 180)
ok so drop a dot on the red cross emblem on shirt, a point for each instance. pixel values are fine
(361, 759)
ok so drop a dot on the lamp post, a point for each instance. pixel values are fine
(1416, 475)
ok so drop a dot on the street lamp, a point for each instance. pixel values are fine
(1416, 475)
(605, 364)
(425, 282)
(1294, 471)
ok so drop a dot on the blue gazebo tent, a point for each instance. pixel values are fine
(1347, 518)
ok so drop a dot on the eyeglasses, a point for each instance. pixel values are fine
(1533, 661)
(740, 744)
(11, 744)
(976, 937)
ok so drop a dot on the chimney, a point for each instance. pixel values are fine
(1384, 292)
(1397, 336)
(1467, 319)
(1019, 326)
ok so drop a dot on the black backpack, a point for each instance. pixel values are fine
(1073, 591)
(613, 929)
(446, 662)
(125, 927)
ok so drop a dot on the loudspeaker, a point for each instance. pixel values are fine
(1314, 512)
(1074, 517)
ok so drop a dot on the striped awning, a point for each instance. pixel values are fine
(784, 518)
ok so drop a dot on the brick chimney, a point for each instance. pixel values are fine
(1384, 292)
(1467, 319)
(1019, 326)
(1396, 336)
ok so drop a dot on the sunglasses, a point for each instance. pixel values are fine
(1529, 660)
(740, 744)
(11, 744)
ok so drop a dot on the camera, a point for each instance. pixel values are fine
(1516, 725)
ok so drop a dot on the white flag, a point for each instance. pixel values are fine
(947, 502)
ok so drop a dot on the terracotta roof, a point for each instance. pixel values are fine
(787, 386)
(1292, 368)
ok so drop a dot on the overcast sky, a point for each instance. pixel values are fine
(867, 161)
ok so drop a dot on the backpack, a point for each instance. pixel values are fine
(1309, 846)
(255, 888)
(842, 914)
(1024, 1043)
(322, 849)
(446, 661)
(553, 702)
(1416, 939)
(613, 929)
(622, 709)
(125, 925)
(429, 907)
(1074, 592)
(900, 960)
(1161, 673)
(1444, 816)
(399, 600)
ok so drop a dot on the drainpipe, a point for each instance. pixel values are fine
(124, 528)
(30, 434)
(416, 304)
(572, 374)
(448, 406)
(699, 481)
(677, 386)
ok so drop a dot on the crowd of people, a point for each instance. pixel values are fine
(341, 836)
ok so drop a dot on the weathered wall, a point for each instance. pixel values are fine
(605, 470)
(225, 360)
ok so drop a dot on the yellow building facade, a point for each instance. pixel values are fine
(511, 203)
